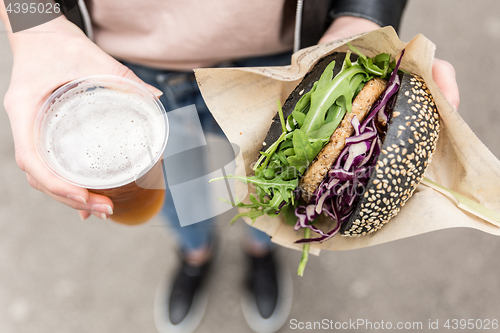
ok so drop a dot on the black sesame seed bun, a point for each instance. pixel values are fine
(406, 152)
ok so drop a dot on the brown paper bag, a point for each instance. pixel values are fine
(243, 101)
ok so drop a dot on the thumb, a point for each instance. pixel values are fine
(124, 71)
(444, 75)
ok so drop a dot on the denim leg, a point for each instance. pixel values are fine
(190, 237)
(258, 237)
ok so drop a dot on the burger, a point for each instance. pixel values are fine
(352, 142)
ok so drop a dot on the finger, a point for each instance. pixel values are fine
(96, 203)
(154, 90)
(22, 119)
(31, 163)
(444, 75)
(102, 216)
(83, 214)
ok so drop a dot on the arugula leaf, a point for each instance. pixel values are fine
(322, 99)
(382, 58)
(259, 166)
(347, 60)
(299, 117)
(289, 214)
(290, 123)
(303, 103)
(327, 76)
(272, 187)
(282, 157)
(379, 65)
(305, 151)
(287, 144)
(282, 118)
(253, 213)
(356, 83)
(332, 112)
(289, 173)
(268, 173)
(326, 131)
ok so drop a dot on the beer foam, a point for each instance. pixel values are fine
(101, 137)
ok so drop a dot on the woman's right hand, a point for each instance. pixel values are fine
(46, 57)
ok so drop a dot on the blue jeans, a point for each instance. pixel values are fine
(179, 90)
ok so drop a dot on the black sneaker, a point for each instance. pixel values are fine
(181, 305)
(269, 292)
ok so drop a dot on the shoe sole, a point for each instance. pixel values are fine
(281, 312)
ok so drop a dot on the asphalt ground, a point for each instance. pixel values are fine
(59, 274)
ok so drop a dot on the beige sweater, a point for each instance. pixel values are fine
(186, 34)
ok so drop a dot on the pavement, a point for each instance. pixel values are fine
(59, 274)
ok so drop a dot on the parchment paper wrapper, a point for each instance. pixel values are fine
(243, 101)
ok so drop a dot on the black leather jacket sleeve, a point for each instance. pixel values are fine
(319, 14)
(382, 12)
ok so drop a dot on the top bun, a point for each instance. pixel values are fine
(406, 152)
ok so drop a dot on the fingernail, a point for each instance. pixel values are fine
(103, 208)
(77, 198)
(157, 92)
(81, 216)
(100, 215)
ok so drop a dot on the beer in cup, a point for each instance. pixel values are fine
(104, 133)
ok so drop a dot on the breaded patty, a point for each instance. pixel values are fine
(329, 154)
